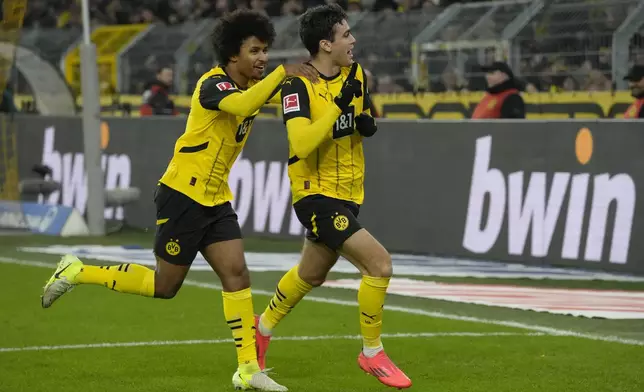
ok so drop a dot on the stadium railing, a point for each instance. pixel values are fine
(560, 38)
(151, 49)
(413, 48)
(111, 42)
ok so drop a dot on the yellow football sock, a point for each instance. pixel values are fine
(125, 278)
(371, 300)
(290, 290)
(238, 310)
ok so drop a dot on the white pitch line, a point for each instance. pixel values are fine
(422, 312)
(285, 338)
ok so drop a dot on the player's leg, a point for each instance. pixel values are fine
(374, 263)
(163, 282)
(315, 263)
(222, 247)
(176, 245)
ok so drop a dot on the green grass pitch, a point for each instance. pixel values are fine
(97, 340)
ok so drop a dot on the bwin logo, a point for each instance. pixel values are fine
(539, 209)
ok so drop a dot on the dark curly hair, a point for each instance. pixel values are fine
(231, 31)
(318, 24)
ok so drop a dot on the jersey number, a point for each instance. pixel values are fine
(243, 128)
(344, 124)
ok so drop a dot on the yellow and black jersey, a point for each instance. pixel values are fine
(220, 119)
(325, 150)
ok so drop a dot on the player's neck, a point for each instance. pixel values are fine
(325, 66)
(240, 80)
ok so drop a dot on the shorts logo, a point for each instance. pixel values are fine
(341, 223)
(291, 103)
(173, 247)
(223, 86)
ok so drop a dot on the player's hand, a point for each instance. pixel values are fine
(302, 69)
(352, 88)
(366, 125)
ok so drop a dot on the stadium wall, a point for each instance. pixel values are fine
(444, 106)
(535, 192)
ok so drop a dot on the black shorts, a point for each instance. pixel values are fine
(327, 220)
(185, 227)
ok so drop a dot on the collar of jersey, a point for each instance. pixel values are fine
(231, 79)
(324, 77)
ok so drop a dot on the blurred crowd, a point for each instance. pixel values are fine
(67, 13)
(562, 52)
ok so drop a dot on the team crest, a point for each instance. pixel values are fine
(492, 103)
(341, 223)
(172, 247)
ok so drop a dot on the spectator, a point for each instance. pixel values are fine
(386, 85)
(156, 99)
(503, 99)
(635, 79)
(292, 7)
(355, 6)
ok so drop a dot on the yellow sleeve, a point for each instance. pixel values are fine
(246, 103)
(305, 136)
(276, 98)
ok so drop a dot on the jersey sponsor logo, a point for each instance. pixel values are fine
(223, 86)
(291, 103)
(532, 206)
(344, 125)
(244, 128)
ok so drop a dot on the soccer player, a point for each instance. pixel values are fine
(194, 213)
(326, 124)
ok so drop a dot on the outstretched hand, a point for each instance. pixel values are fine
(302, 69)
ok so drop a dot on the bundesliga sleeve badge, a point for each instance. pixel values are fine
(291, 103)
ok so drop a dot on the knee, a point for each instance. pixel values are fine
(380, 267)
(236, 278)
(314, 279)
(165, 291)
(166, 287)
(238, 271)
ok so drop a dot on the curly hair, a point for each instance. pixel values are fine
(233, 29)
(318, 24)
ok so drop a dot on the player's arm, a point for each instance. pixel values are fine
(365, 123)
(218, 93)
(304, 136)
(513, 107)
(276, 96)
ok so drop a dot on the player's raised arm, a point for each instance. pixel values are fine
(305, 136)
(218, 93)
(365, 123)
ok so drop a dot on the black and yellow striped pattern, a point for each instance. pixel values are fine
(290, 290)
(240, 318)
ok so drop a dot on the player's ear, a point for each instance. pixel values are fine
(325, 45)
